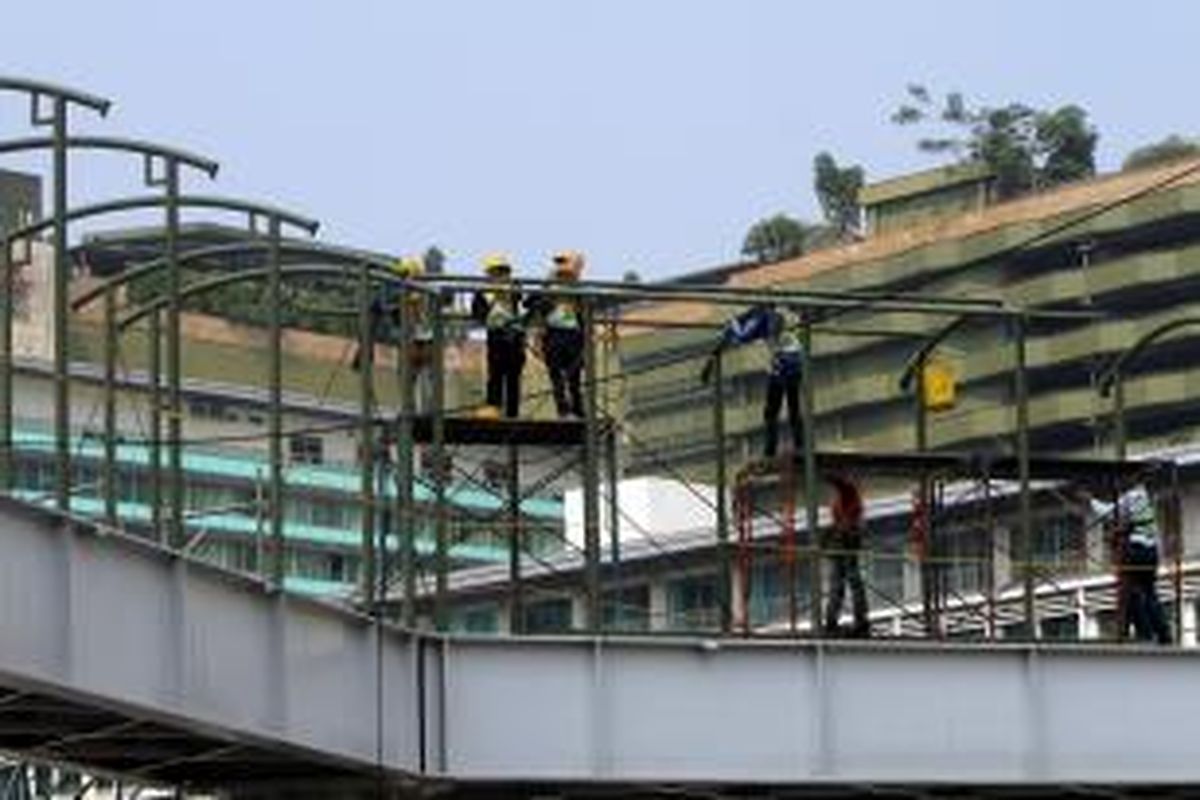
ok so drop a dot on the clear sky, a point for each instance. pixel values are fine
(647, 133)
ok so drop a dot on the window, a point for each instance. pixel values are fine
(1017, 631)
(304, 449)
(548, 616)
(476, 619)
(627, 609)
(768, 594)
(211, 408)
(1059, 544)
(1061, 629)
(692, 603)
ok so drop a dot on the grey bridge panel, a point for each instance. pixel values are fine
(678, 711)
(141, 631)
(122, 627)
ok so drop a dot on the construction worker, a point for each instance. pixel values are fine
(499, 309)
(844, 543)
(1137, 542)
(385, 318)
(778, 329)
(562, 343)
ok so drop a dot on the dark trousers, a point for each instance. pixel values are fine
(1142, 607)
(845, 571)
(563, 352)
(505, 360)
(778, 387)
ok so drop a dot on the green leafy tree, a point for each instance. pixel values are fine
(1172, 148)
(837, 191)
(775, 239)
(1025, 147)
(435, 261)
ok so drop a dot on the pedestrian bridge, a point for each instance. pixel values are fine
(124, 658)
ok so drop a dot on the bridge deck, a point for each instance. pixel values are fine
(124, 658)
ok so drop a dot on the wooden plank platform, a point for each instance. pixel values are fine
(527, 432)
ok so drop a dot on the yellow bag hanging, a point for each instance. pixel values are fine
(940, 384)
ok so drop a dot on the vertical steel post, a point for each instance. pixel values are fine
(1120, 433)
(260, 503)
(926, 568)
(441, 465)
(155, 376)
(366, 425)
(613, 478)
(275, 490)
(591, 473)
(724, 561)
(516, 595)
(1026, 510)
(175, 488)
(612, 463)
(7, 308)
(807, 387)
(62, 310)
(406, 517)
(111, 489)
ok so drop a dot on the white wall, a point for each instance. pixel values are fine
(658, 506)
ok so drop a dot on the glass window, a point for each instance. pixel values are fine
(303, 449)
(692, 603)
(627, 609)
(1017, 631)
(768, 594)
(476, 619)
(1059, 543)
(548, 616)
(1061, 629)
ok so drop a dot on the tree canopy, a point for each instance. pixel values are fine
(1026, 147)
(1172, 148)
(775, 239)
(837, 191)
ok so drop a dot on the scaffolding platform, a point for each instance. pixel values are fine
(462, 430)
(957, 464)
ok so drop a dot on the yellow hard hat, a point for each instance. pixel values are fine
(496, 264)
(409, 267)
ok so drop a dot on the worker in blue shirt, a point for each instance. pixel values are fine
(778, 329)
(1135, 531)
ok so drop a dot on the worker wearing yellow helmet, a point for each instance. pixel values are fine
(498, 308)
(385, 316)
(562, 344)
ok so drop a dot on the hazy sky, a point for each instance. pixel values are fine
(648, 133)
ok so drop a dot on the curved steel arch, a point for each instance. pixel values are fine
(57, 91)
(306, 224)
(1117, 366)
(1112, 380)
(260, 273)
(332, 255)
(147, 149)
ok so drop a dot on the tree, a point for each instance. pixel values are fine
(775, 239)
(435, 260)
(1172, 148)
(631, 276)
(837, 190)
(1025, 147)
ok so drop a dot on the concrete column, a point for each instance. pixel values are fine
(737, 608)
(1187, 636)
(658, 604)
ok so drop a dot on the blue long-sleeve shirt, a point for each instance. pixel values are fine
(770, 326)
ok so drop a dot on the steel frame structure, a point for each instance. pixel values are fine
(602, 303)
